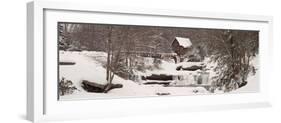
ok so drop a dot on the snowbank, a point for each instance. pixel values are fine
(89, 67)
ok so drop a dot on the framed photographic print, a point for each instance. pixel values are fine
(100, 61)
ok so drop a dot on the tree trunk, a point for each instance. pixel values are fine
(108, 53)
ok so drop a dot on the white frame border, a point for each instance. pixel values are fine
(35, 46)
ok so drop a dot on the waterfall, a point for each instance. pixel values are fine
(201, 78)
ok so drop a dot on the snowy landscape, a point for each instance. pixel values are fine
(114, 61)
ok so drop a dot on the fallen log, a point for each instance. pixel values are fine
(66, 63)
(192, 68)
(163, 93)
(98, 88)
(160, 83)
(162, 77)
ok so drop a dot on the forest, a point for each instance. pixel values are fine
(227, 53)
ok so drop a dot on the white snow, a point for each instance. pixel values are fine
(253, 80)
(184, 42)
(169, 68)
(190, 64)
(89, 67)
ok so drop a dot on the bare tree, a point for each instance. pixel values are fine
(113, 57)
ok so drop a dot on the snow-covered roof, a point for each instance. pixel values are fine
(184, 42)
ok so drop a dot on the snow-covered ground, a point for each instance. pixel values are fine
(253, 80)
(88, 66)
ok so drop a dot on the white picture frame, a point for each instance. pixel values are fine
(42, 103)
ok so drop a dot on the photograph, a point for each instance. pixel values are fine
(106, 61)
